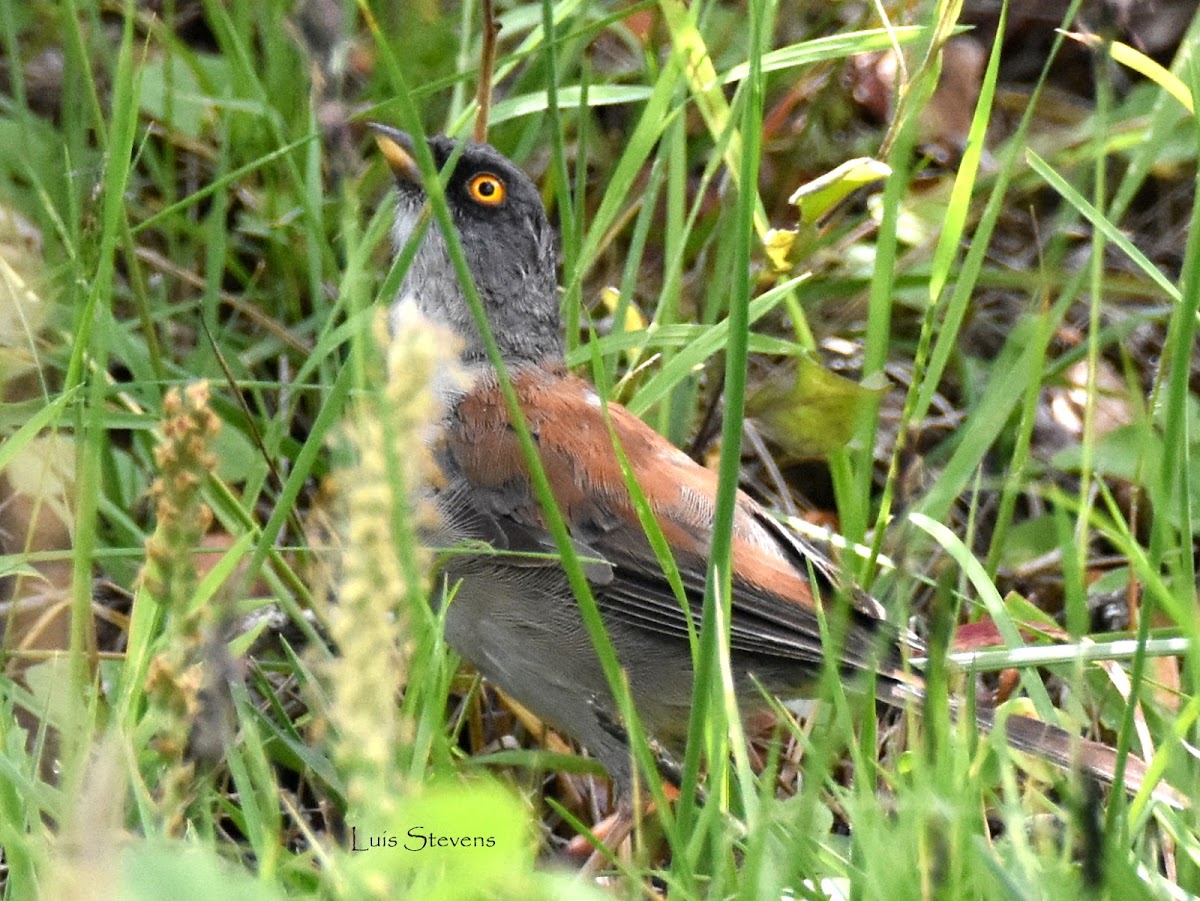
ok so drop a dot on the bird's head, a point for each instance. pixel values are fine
(507, 239)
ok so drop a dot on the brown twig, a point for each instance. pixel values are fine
(487, 61)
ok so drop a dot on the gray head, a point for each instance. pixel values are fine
(506, 237)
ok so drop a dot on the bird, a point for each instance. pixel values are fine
(512, 613)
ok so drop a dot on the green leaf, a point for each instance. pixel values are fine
(1029, 540)
(453, 841)
(819, 196)
(1133, 453)
(154, 870)
(813, 413)
(188, 107)
(834, 46)
(236, 454)
(568, 98)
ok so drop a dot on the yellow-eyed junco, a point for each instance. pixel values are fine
(513, 614)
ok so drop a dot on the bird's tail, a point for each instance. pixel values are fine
(1054, 745)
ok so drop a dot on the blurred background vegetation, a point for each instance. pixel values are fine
(213, 684)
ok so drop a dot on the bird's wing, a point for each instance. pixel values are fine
(488, 497)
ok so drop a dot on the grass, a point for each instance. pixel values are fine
(205, 209)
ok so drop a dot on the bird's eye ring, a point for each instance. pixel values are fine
(487, 189)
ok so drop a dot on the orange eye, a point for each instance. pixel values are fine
(487, 189)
